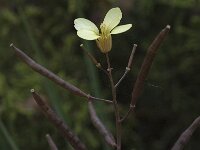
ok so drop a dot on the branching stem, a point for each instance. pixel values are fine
(115, 105)
(128, 68)
(131, 108)
(53, 77)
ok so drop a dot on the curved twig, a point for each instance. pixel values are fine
(146, 65)
(53, 77)
(186, 135)
(59, 123)
(100, 126)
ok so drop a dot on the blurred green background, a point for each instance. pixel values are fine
(44, 30)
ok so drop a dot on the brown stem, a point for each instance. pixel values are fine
(52, 145)
(146, 65)
(130, 61)
(100, 126)
(186, 135)
(53, 77)
(93, 59)
(128, 68)
(58, 123)
(128, 112)
(116, 109)
(124, 75)
(100, 99)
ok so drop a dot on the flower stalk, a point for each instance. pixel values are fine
(115, 105)
(88, 30)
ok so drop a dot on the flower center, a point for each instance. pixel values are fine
(104, 31)
(104, 42)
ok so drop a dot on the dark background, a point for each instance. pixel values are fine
(44, 30)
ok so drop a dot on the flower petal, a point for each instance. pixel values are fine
(85, 24)
(112, 18)
(87, 34)
(120, 29)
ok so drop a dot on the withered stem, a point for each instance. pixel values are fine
(128, 68)
(115, 105)
(93, 59)
(123, 76)
(146, 65)
(186, 135)
(53, 77)
(127, 114)
(58, 123)
(100, 126)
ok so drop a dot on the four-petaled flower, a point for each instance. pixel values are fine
(89, 31)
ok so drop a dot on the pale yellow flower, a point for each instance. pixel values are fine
(89, 31)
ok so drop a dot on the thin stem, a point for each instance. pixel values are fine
(127, 114)
(100, 99)
(128, 68)
(53, 77)
(100, 126)
(186, 135)
(115, 105)
(130, 61)
(52, 145)
(58, 123)
(93, 59)
(124, 75)
(147, 63)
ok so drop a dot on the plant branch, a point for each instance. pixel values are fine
(186, 135)
(127, 114)
(58, 123)
(93, 59)
(128, 68)
(52, 145)
(53, 77)
(116, 109)
(100, 99)
(146, 65)
(100, 126)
